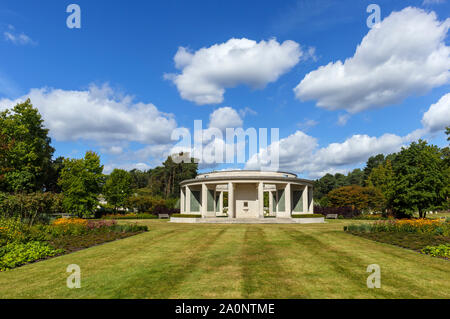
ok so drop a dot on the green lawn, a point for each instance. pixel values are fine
(235, 261)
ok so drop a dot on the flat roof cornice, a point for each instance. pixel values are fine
(246, 178)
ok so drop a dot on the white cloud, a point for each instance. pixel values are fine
(405, 55)
(225, 117)
(206, 73)
(114, 150)
(17, 38)
(438, 115)
(97, 114)
(300, 153)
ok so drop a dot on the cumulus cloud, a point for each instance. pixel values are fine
(98, 114)
(405, 55)
(300, 153)
(225, 117)
(206, 73)
(438, 115)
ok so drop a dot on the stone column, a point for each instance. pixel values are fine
(261, 200)
(287, 197)
(270, 203)
(221, 202)
(187, 209)
(305, 199)
(230, 200)
(182, 208)
(204, 200)
(311, 205)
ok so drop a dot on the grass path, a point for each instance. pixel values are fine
(235, 261)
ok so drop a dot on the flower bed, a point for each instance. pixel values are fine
(424, 226)
(430, 236)
(21, 243)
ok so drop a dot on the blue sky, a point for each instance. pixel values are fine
(110, 85)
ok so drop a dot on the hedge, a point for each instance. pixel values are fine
(307, 215)
(130, 216)
(345, 212)
(30, 208)
(187, 215)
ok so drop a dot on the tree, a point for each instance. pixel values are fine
(372, 162)
(139, 179)
(81, 182)
(323, 186)
(165, 180)
(357, 197)
(5, 147)
(117, 188)
(382, 178)
(355, 177)
(420, 182)
(27, 155)
(52, 176)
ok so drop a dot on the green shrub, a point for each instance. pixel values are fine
(187, 215)
(306, 215)
(144, 203)
(31, 208)
(130, 228)
(131, 216)
(16, 253)
(360, 228)
(438, 251)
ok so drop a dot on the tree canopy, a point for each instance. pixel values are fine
(117, 188)
(26, 154)
(356, 197)
(81, 181)
(420, 182)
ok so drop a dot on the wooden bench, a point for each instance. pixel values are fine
(160, 216)
(331, 216)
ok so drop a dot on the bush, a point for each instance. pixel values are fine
(342, 212)
(130, 228)
(17, 253)
(438, 251)
(145, 203)
(187, 215)
(31, 208)
(131, 216)
(307, 215)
